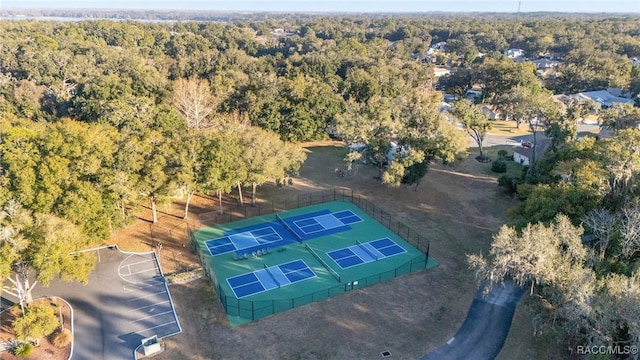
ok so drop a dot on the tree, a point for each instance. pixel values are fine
(601, 222)
(153, 177)
(474, 122)
(266, 157)
(194, 101)
(621, 159)
(533, 105)
(37, 322)
(47, 245)
(621, 116)
(541, 255)
(544, 202)
(222, 167)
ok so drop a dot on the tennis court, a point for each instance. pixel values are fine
(271, 263)
(362, 253)
(270, 278)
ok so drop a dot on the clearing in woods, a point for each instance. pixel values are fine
(458, 207)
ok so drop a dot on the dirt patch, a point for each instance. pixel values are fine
(46, 350)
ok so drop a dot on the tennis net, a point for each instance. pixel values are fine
(289, 229)
(271, 274)
(361, 245)
(326, 266)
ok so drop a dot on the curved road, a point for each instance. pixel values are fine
(487, 325)
(485, 329)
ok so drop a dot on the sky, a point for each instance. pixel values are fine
(388, 6)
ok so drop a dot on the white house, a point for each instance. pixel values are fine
(396, 150)
(605, 98)
(514, 53)
(543, 64)
(522, 154)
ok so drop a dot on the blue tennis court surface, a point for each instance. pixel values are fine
(270, 278)
(274, 234)
(365, 252)
(322, 223)
(263, 237)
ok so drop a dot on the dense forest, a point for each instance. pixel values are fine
(97, 117)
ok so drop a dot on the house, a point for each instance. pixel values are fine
(514, 53)
(449, 98)
(605, 98)
(522, 153)
(493, 113)
(544, 64)
(396, 150)
(473, 94)
(441, 46)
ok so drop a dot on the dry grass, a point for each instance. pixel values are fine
(459, 208)
(508, 128)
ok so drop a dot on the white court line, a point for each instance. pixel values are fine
(253, 293)
(157, 326)
(146, 306)
(230, 242)
(323, 227)
(122, 266)
(344, 257)
(299, 271)
(121, 273)
(140, 272)
(146, 296)
(141, 287)
(140, 262)
(352, 214)
(150, 316)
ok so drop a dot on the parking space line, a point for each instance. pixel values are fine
(157, 326)
(140, 272)
(146, 296)
(154, 315)
(146, 306)
(142, 286)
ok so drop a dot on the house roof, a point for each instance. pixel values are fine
(602, 97)
(541, 144)
(545, 63)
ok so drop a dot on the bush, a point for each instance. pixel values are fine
(37, 322)
(62, 338)
(502, 154)
(508, 183)
(22, 350)
(499, 166)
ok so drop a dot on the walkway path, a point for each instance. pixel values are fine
(485, 329)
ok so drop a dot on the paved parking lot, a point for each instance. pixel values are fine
(126, 300)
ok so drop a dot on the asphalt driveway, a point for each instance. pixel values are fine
(126, 300)
(486, 327)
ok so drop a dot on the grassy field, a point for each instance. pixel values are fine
(459, 207)
(475, 167)
(508, 128)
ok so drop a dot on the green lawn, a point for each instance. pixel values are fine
(502, 127)
(472, 166)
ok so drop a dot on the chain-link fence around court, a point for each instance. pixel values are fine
(257, 309)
